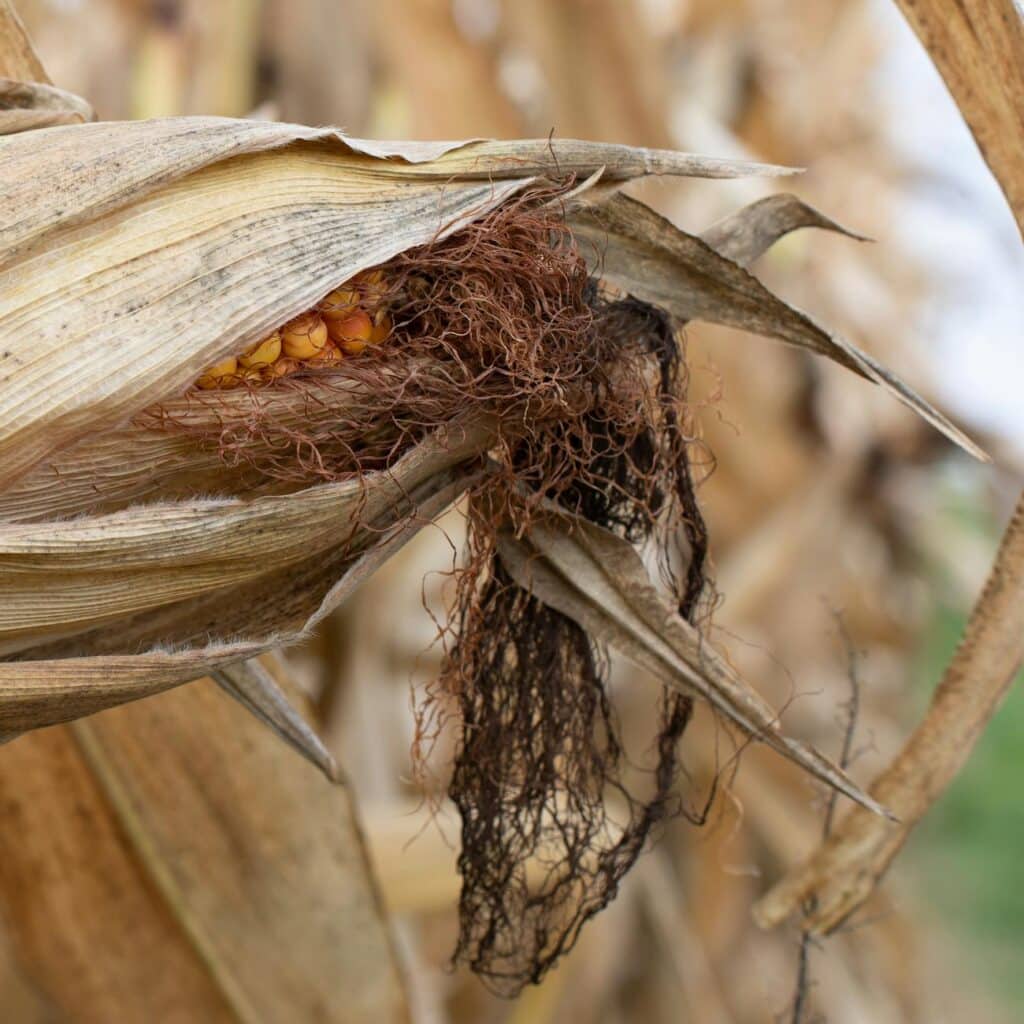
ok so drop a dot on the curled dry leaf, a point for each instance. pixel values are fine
(748, 233)
(28, 105)
(643, 253)
(599, 580)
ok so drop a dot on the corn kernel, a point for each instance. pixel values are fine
(305, 336)
(352, 334)
(219, 375)
(371, 284)
(330, 353)
(284, 366)
(339, 304)
(382, 326)
(262, 354)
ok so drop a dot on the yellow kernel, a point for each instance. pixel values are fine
(262, 354)
(371, 284)
(340, 303)
(304, 336)
(219, 375)
(352, 334)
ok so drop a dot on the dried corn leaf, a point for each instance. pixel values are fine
(750, 232)
(978, 48)
(641, 252)
(240, 891)
(257, 691)
(599, 581)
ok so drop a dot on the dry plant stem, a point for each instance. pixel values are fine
(17, 57)
(978, 48)
(843, 873)
(852, 711)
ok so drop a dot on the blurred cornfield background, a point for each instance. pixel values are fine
(848, 538)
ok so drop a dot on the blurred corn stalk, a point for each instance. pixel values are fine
(987, 80)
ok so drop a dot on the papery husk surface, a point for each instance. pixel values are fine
(133, 255)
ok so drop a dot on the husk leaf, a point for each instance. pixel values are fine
(62, 577)
(112, 665)
(645, 254)
(599, 580)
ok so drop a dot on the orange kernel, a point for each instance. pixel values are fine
(353, 333)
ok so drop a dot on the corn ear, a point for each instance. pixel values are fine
(135, 257)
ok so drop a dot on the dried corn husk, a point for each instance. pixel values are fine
(134, 255)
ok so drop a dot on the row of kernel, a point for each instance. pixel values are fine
(344, 323)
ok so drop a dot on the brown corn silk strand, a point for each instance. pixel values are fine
(539, 776)
(587, 391)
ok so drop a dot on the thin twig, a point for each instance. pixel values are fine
(852, 712)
